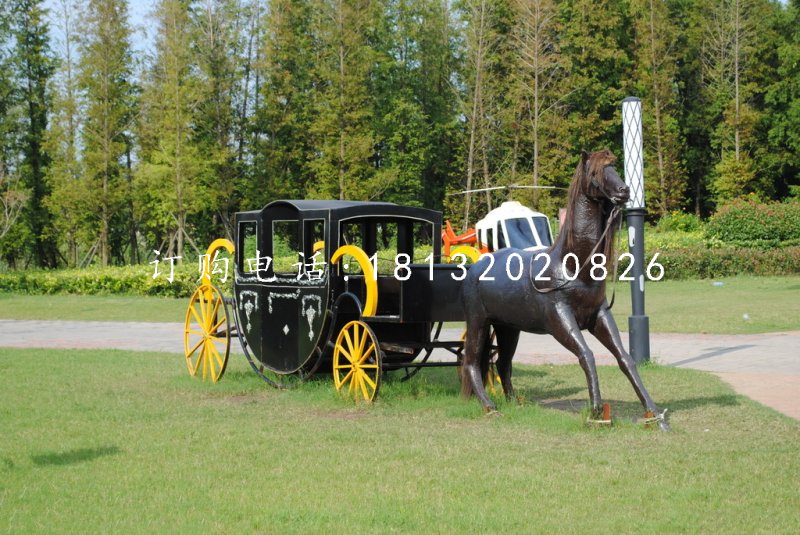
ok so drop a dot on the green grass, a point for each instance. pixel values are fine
(771, 303)
(112, 441)
(92, 308)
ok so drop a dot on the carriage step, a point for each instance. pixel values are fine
(394, 348)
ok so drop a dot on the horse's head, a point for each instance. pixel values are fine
(600, 179)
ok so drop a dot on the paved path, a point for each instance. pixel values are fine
(765, 367)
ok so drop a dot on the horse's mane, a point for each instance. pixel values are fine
(590, 165)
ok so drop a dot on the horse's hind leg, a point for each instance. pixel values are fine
(606, 331)
(507, 339)
(471, 379)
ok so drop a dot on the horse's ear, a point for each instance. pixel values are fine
(584, 156)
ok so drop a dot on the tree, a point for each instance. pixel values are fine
(481, 42)
(656, 75)
(739, 43)
(105, 76)
(67, 200)
(594, 42)
(284, 119)
(539, 70)
(344, 140)
(34, 65)
(219, 27)
(783, 103)
(171, 163)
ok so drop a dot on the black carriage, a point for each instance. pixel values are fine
(352, 288)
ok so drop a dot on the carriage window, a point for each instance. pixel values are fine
(285, 247)
(423, 241)
(386, 234)
(247, 245)
(351, 234)
(314, 237)
(314, 243)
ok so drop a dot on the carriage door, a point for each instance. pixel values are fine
(296, 294)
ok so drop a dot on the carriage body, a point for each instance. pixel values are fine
(293, 297)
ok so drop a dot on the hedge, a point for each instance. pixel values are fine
(705, 263)
(749, 223)
(128, 280)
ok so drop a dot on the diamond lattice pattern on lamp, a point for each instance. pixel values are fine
(632, 143)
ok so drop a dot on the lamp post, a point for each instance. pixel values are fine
(638, 322)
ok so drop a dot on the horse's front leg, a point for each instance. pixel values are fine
(507, 340)
(471, 377)
(606, 331)
(565, 329)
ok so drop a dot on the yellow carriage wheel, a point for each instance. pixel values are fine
(206, 334)
(357, 362)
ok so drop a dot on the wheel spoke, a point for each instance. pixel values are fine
(216, 354)
(369, 380)
(194, 313)
(218, 325)
(200, 358)
(346, 354)
(201, 302)
(355, 351)
(363, 343)
(212, 367)
(189, 355)
(349, 342)
(189, 331)
(367, 354)
(212, 314)
(348, 376)
(353, 380)
(363, 386)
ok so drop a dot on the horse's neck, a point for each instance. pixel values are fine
(588, 225)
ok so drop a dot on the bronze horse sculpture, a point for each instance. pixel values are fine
(544, 299)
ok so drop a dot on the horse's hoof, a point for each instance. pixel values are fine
(492, 413)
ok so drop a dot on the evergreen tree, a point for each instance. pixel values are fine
(344, 140)
(105, 76)
(783, 102)
(595, 42)
(218, 47)
(68, 202)
(12, 195)
(656, 79)
(168, 176)
(283, 146)
(34, 65)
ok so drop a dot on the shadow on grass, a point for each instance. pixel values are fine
(633, 408)
(73, 456)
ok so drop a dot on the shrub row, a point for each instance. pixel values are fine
(704, 263)
(128, 280)
(747, 222)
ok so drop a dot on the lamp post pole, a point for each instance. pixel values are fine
(638, 322)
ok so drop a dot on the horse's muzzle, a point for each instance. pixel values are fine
(621, 196)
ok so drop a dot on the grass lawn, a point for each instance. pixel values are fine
(771, 303)
(113, 441)
(92, 308)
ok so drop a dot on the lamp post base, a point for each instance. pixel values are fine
(639, 338)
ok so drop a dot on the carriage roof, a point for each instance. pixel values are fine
(336, 209)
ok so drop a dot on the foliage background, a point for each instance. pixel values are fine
(109, 152)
